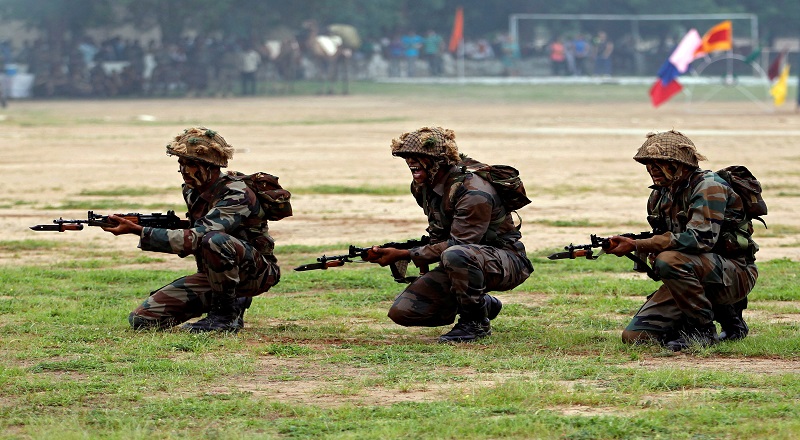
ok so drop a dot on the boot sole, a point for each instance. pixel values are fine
(444, 340)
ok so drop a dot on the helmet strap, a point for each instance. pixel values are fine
(431, 167)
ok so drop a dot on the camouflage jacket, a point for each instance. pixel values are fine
(691, 216)
(228, 205)
(463, 212)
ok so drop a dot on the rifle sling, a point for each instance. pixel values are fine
(641, 263)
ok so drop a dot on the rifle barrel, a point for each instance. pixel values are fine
(58, 227)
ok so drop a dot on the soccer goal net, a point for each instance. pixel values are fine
(638, 45)
(641, 43)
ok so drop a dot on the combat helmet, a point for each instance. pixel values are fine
(670, 146)
(201, 144)
(436, 142)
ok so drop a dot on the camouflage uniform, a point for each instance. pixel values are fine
(230, 241)
(473, 238)
(692, 256)
(476, 244)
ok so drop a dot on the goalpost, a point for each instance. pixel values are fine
(514, 19)
(724, 64)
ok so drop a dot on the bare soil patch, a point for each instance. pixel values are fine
(575, 160)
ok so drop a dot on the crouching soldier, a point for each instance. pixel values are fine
(705, 258)
(226, 233)
(473, 241)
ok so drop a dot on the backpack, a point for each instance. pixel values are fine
(504, 178)
(735, 239)
(273, 198)
(748, 188)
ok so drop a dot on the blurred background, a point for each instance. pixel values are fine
(137, 48)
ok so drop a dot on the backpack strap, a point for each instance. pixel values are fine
(453, 190)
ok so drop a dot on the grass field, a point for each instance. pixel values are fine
(318, 357)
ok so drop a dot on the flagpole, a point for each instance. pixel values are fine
(457, 41)
(461, 61)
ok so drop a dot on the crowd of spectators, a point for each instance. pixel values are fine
(127, 67)
(123, 67)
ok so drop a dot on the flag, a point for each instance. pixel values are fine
(683, 55)
(778, 91)
(659, 93)
(719, 37)
(677, 64)
(775, 66)
(667, 73)
(458, 30)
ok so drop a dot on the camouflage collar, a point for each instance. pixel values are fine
(441, 180)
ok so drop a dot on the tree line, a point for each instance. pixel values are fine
(59, 20)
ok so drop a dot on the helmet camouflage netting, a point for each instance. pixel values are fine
(671, 146)
(202, 144)
(436, 142)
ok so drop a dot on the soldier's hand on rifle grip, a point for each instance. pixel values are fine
(620, 246)
(124, 226)
(386, 256)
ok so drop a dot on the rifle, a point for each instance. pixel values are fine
(154, 220)
(398, 268)
(587, 251)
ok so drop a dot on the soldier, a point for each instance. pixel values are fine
(705, 260)
(473, 240)
(226, 233)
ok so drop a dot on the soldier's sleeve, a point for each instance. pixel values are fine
(706, 214)
(236, 205)
(471, 218)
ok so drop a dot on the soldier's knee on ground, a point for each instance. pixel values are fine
(640, 336)
(409, 318)
(398, 316)
(139, 322)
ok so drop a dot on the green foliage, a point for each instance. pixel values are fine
(373, 18)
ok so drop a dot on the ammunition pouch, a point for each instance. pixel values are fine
(736, 241)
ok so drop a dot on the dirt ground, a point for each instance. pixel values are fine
(575, 160)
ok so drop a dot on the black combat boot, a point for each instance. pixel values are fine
(730, 319)
(470, 327)
(703, 335)
(493, 307)
(224, 316)
(242, 304)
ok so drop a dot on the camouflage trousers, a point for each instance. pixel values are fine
(461, 280)
(226, 266)
(692, 285)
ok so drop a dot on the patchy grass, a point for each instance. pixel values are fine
(128, 191)
(351, 190)
(113, 205)
(319, 359)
